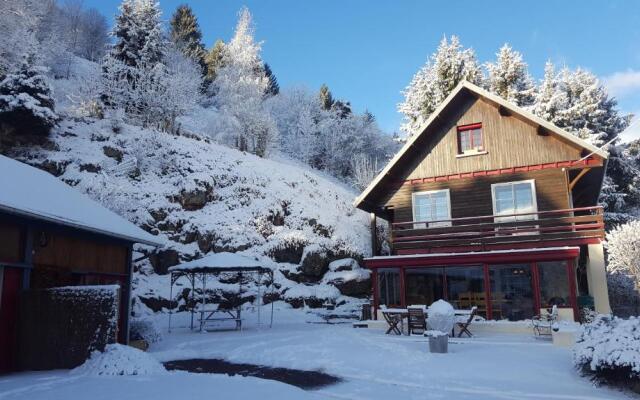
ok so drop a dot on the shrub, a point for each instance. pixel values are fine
(608, 349)
(145, 329)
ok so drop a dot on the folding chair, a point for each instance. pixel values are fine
(393, 320)
(464, 326)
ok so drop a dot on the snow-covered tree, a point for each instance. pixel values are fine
(133, 71)
(509, 78)
(214, 60)
(578, 102)
(138, 33)
(623, 262)
(449, 65)
(239, 89)
(19, 22)
(186, 35)
(26, 102)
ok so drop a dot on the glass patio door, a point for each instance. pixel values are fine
(424, 285)
(512, 294)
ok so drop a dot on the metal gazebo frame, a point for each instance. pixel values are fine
(202, 272)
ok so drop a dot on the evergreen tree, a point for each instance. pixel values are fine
(577, 102)
(26, 102)
(186, 35)
(508, 78)
(326, 98)
(272, 88)
(214, 60)
(138, 33)
(444, 69)
(341, 108)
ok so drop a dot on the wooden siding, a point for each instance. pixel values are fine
(11, 243)
(508, 141)
(472, 197)
(76, 254)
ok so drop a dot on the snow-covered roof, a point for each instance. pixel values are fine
(30, 192)
(465, 85)
(219, 262)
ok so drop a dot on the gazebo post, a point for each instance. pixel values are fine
(193, 295)
(204, 300)
(170, 299)
(272, 301)
(260, 275)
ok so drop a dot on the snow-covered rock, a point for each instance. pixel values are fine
(118, 359)
(198, 197)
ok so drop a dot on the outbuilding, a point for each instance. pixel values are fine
(51, 235)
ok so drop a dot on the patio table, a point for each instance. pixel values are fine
(395, 316)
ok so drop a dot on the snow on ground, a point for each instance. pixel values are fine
(372, 364)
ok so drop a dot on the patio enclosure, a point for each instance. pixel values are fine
(513, 291)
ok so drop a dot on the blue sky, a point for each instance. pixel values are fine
(367, 51)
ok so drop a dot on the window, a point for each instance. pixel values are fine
(470, 139)
(389, 287)
(424, 285)
(431, 206)
(514, 198)
(554, 284)
(465, 288)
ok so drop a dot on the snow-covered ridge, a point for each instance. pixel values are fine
(198, 197)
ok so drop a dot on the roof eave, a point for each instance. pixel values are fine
(34, 215)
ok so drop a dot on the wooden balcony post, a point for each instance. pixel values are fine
(374, 234)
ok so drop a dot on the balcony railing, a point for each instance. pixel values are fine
(545, 228)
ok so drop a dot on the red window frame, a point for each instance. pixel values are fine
(467, 130)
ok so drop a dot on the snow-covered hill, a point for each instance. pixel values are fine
(200, 197)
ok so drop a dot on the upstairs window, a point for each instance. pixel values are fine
(470, 140)
(432, 208)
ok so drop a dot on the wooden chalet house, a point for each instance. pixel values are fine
(490, 206)
(51, 235)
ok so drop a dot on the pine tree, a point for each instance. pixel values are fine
(508, 78)
(326, 98)
(26, 102)
(214, 60)
(444, 69)
(272, 88)
(138, 33)
(577, 102)
(186, 35)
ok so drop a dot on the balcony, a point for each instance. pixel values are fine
(569, 227)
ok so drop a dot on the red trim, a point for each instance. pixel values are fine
(508, 246)
(468, 127)
(472, 258)
(535, 277)
(376, 293)
(589, 162)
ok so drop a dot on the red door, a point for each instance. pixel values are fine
(10, 280)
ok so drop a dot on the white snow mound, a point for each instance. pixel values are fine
(118, 359)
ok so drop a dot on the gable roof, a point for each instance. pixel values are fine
(474, 89)
(29, 192)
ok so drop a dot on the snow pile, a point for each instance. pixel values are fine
(118, 359)
(441, 316)
(609, 346)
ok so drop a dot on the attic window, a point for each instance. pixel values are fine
(470, 139)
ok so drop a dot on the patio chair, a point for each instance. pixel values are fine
(543, 323)
(393, 321)
(417, 320)
(464, 326)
